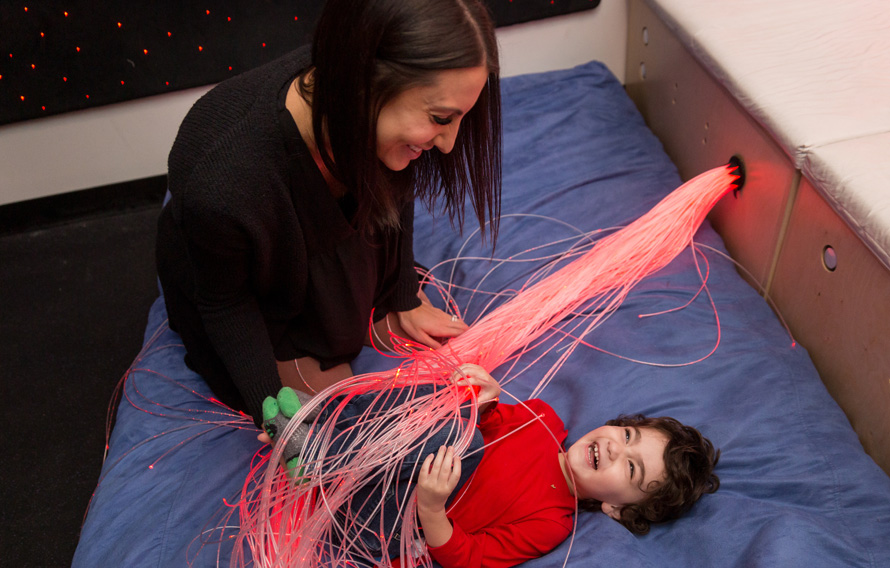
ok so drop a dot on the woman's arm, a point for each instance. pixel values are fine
(219, 266)
(423, 323)
(427, 322)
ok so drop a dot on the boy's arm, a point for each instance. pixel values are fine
(535, 529)
(437, 529)
(438, 477)
(488, 390)
(502, 545)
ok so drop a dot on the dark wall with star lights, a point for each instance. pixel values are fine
(63, 55)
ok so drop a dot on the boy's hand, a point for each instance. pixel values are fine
(489, 389)
(439, 475)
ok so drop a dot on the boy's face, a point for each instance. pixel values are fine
(616, 465)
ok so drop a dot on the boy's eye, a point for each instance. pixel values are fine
(442, 121)
(632, 469)
(627, 435)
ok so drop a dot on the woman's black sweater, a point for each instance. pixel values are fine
(257, 259)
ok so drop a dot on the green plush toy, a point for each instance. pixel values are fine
(277, 412)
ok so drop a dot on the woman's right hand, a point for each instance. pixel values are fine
(489, 389)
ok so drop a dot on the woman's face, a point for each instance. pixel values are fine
(422, 117)
(617, 464)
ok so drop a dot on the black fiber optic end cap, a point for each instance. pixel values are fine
(738, 168)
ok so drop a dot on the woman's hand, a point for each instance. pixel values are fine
(439, 475)
(427, 322)
(489, 389)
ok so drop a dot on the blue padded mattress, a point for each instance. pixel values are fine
(797, 488)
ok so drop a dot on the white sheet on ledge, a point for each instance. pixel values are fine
(816, 75)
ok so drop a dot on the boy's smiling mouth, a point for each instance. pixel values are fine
(593, 455)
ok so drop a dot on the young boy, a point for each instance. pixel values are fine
(519, 502)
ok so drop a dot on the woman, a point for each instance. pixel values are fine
(292, 194)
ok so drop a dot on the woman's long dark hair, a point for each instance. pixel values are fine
(365, 53)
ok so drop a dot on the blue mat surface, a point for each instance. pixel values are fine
(797, 488)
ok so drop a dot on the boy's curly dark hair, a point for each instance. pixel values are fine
(689, 460)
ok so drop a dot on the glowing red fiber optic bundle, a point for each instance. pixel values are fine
(606, 273)
(302, 524)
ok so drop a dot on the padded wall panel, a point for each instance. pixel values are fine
(841, 317)
(58, 56)
(807, 79)
(854, 177)
(782, 221)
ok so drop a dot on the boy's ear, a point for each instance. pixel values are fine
(613, 511)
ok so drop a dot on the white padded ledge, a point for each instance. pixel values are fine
(854, 177)
(816, 75)
(812, 72)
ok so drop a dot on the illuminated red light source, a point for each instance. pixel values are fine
(77, 48)
(22, 97)
(200, 48)
(66, 14)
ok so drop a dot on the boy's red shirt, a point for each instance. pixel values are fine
(517, 506)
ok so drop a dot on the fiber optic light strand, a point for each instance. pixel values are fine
(287, 523)
(614, 265)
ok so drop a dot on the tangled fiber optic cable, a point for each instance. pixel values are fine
(306, 521)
